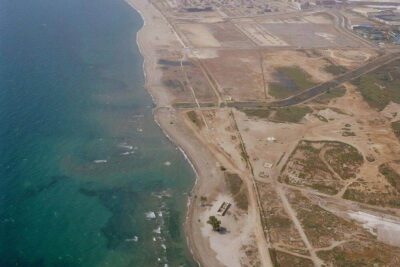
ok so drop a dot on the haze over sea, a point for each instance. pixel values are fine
(86, 176)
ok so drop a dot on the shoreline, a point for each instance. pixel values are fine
(179, 135)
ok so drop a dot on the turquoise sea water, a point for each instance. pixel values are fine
(83, 167)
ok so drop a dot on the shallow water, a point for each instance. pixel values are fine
(82, 163)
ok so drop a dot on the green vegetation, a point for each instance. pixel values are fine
(310, 163)
(292, 80)
(335, 69)
(326, 189)
(381, 86)
(291, 114)
(192, 115)
(260, 113)
(373, 198)
(215, 223)
(281, 259)
(237, 189)
(344, 159)
(234, 182)
(279, 221)
(331, 94)
(396, 128)
(306, 164)
(391, 176)
(355, 254)
(318, 223)
(241, 200)
(321, 118)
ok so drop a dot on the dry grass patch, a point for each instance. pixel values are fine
(282, 259)
(363, 193)
(331, 94)
(237, 189)
(281, 229)
(321, 227)
(381, 86)
(391, 175)
(344, 159)
(361, 253)
(291, 114)
(259, 113)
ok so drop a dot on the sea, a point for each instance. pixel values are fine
(87, 178)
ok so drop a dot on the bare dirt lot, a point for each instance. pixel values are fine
(238, 74)
(308, 35)
(181, 76)
(275, 74)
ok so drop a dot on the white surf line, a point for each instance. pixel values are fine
(164, 131)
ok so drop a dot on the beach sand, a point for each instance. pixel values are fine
(155, 36)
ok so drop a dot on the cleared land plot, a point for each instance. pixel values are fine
(174, 80)
(178, 80)
(212, 35)
(275, 20)
(228, 35)
(319, 19)
(308, 35)
(238, 74)
(289, 72)
(198, 35)
(260, 35)
(322, 166)
(199, 83)
(381, 86)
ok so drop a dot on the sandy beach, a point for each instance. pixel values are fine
(154, 36)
